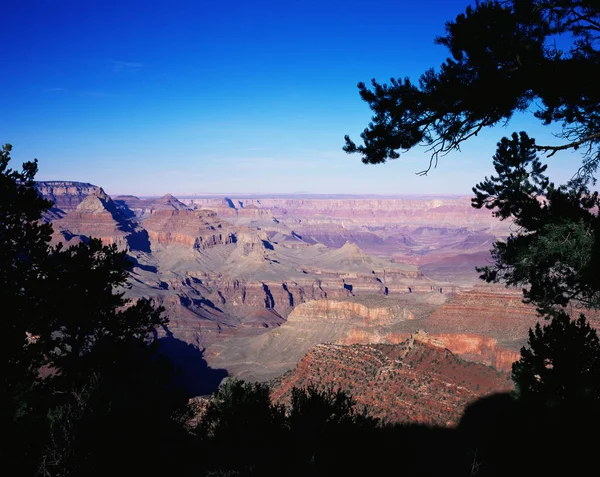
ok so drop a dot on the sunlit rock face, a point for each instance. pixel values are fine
(258, 282)
(492, 336)
(65, 196)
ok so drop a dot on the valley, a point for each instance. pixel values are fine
(261, 284)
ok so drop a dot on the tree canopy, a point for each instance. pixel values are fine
(83, 387)
(506, 56)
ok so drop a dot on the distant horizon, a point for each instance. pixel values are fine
(258, 195)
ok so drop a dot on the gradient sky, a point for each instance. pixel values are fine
(149, 97)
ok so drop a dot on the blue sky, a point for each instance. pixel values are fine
(149, 97)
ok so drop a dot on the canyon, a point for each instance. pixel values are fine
(415, 381)
(258, 284)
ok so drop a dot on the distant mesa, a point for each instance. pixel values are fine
(143, 208)
(65, 195)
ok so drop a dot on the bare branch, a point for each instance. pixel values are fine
(572, 145)
(444, 146)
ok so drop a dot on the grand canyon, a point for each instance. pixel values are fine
(366, 293)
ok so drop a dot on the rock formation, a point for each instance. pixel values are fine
(65, 195)
(97, 216)
(194, 229)
(261, 280)
(413, 381)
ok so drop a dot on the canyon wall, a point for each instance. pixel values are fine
(66, 195)
(194, 229)
(416, 212)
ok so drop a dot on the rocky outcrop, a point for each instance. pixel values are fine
(469, 346)
(472, 347)
(414, 381)
(491, 311)
(97, 216)
(66, 195)
(193, 229)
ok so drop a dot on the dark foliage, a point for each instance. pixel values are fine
(504, 47)
(125, 420)
(242, 431)
(501, 435)
(243, 434)
(23, 252)
(84, 390)
(551, 371)
(321, 433)
(554, 252)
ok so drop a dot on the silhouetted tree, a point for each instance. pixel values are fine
(550, 370)
(24, 248)
(64, 312)
(321, 423)
(504, 59)
(243, 431)
(554, 253)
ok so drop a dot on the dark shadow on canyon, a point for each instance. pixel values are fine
(124, 209)
(138, 240)
(141, 266)
(192, 372)
(498, 436)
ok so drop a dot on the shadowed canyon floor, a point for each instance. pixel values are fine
(257, 282)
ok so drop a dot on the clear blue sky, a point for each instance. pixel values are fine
(148, 97)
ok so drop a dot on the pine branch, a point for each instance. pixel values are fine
(572, 145)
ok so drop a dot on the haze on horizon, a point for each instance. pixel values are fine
(196, 97)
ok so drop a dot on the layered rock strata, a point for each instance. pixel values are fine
(66, 195)
(97, 216)
(193, 229)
